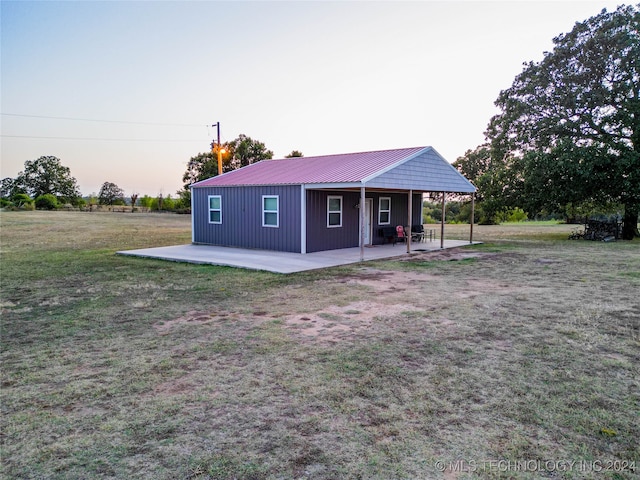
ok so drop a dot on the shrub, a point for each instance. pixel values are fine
(516, 215)
(146, 201)
(168, 203)
(22, 200)
(161, 203)
(46, 202)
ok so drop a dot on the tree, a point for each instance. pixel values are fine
(245, 151)
(238, 153)
(110, 193)
(569, 127)
(200, 167)
(146, 201)
(477, 166)
(294, 153)
(474, 164)
(48, 175)
(9, 187)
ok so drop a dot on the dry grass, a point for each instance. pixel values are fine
(526, 348)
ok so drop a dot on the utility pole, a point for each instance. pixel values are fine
(219, 148)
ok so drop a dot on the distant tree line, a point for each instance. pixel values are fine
(47, 184)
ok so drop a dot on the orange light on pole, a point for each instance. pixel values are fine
(220, 152)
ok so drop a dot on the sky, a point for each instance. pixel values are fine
(127, 91)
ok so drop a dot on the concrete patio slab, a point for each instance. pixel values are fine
(282, 262)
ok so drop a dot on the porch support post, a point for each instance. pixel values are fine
(444, 194)
(409, 221)
(362, 225)
(473, 205)
(303, 219)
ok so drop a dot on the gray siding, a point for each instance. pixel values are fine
(320, 237)
(428, 172)
(242, 218)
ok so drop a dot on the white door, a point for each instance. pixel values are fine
(368, 219)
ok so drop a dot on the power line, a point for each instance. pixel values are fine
(103, 139)
(105, 121)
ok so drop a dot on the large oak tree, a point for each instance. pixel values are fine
(110, 193)
(47, 175)
(569, 127)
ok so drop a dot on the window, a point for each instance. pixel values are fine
(270, 207)
(334, 211)
(384, 211)
(215, 209)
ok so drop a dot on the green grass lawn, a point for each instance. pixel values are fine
(510, 359)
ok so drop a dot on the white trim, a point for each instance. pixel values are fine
(209, 209)
(329, 212)
(368, 201)
(380, 211)
(193, 221)
(322, 186)
(276, 211)
(303, 219)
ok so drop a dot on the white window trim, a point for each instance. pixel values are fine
(276, 211)
(381, 211)
(209, 209)
(333, 197)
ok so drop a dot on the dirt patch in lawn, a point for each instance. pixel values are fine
(189, 318)
(381, 282)
(336, 323)
(452, 254)
(382, 294)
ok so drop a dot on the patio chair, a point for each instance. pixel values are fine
(417, 233)
(401, 235)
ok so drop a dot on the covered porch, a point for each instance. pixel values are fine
(410, 220)
(385, 209)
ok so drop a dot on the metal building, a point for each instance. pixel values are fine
(310, 204)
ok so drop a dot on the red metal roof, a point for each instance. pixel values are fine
(342, 168)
